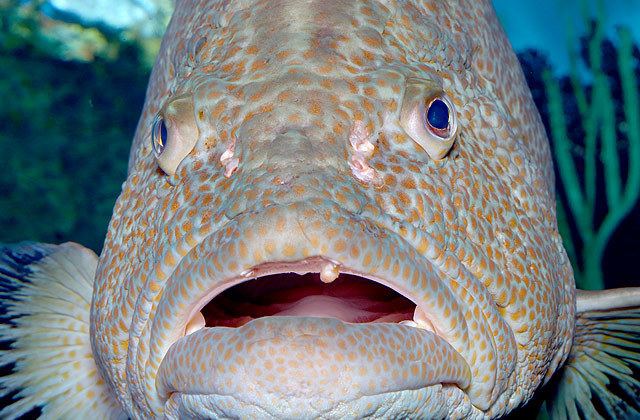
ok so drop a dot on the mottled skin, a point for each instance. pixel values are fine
(284, 88)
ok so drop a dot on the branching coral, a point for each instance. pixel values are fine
(601, 133)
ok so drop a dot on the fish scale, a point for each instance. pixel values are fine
(398, 209)
(293, 137)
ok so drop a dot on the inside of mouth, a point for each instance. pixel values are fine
(349, 298)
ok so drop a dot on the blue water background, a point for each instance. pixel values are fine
(554, 26)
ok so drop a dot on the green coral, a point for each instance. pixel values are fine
(599, 124)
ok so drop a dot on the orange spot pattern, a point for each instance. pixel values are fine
(471, 238)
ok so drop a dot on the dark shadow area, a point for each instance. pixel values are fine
(66, 131)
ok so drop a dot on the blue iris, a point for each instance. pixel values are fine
(159, 135)
(163, 133)
(438, 114)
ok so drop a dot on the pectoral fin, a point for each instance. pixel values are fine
(45, 299)
(601, 377)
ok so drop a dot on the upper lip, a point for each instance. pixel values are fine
(218, 261)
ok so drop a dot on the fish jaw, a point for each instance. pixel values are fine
(308, 361)
(304, 237)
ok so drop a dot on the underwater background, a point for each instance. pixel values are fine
(73, 76)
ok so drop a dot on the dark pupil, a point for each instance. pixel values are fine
(438, 115)
(163, 133)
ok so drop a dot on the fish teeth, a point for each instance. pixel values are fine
(421, 320)
(329, 272)
(195, 323)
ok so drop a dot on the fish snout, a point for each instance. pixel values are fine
(290, 165)
(292, 150)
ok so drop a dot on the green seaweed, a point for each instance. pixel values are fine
(602, 153)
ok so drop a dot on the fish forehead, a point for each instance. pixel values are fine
(329, 50)
(287, 81)
(325, 50)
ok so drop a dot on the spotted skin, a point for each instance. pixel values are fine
(301, 155)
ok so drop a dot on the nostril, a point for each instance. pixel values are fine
(363, 149)
(229, 162)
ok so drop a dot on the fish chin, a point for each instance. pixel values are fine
(434, 402)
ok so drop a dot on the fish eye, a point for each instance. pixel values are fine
(174, 133)
(429, 118)
(438, 117)
(159, 135)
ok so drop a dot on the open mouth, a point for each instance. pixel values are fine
(315, 327)
(349, 298)
(314, 288)
(293, 316)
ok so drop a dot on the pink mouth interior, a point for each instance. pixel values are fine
(349, 298)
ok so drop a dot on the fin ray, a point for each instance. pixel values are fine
(45, 294)
(601, 377)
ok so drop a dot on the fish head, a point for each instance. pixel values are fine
(331, 209)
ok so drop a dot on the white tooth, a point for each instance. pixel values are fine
(247, 273)
(329, 272)
(421, 320)
(409, 323)
(195, 323)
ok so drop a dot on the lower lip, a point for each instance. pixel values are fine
(286, 355)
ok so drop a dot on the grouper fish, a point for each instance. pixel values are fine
(334, 209)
